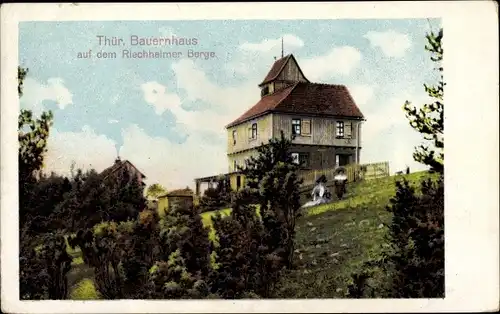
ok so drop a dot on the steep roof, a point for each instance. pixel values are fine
(265, 104)
(277, 67)
(306, 98)
(117, 165)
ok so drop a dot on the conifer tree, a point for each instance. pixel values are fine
(272, 177)
(429, 119)
(182, 229)
(240, 251)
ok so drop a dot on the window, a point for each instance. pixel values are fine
(340, 129)
(234, 137)
(264, 91)
(235, 165)
(296, 127)
(342, 160)
(304, 159)
(254, 131)
(301, 159)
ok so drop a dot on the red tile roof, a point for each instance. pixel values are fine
(265, 104)
(306, 98)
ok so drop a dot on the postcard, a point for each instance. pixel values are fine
(249, 157)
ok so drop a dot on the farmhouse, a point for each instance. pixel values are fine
(123, 168)
(322, 120)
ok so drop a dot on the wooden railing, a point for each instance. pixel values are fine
(354, 172)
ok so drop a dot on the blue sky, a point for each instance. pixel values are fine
(167, 116)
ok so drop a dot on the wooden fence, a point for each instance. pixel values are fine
(354, 172)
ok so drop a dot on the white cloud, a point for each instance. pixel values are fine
(34, 93)
(169, 163)
(387, 135)
(362, 94)
(392, 43)
(227, 103)
(115, 99)
(156, 95)
(111, 121)
(166, 31)
(249, 60)
(339, 60)
(267, 45)
(172, 164)
(86, 149)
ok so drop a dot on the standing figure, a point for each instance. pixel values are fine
(340, 183)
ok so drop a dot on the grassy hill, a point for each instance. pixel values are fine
(332, 241)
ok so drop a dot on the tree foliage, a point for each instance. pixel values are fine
(155, 190)
(240, 251)
(183, 230)
(272, 178)
(43, 266)
(429, 119)
(412, 264)
(216, 198)
(33, 134)
(43, 260)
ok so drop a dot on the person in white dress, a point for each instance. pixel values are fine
(320, 193)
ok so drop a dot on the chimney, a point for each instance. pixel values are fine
(117, 160)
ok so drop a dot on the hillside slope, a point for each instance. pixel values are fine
(333, 240)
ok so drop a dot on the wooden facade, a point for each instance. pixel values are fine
(322, 130)
(239, 137)
(311, 114)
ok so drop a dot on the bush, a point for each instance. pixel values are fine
(182, 229)
(238, 251)
(43, 267)
(216, 198)
(414, 262)
(272, 179)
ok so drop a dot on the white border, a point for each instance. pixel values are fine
(471, 74)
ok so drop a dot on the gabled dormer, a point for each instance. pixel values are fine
(283, 73)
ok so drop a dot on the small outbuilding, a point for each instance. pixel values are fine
(181, 197)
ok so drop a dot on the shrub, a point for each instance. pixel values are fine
(414, 262)
(43, 268)
(216, 198)
(101, 250)
(272, 178)
(237, 250)
(182, 229)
